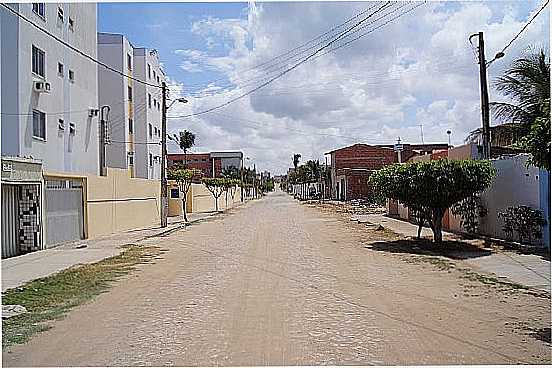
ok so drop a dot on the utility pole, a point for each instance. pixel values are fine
(103, 131)
(422, 132)
(241, 176)
(164, 199)
(484, 96)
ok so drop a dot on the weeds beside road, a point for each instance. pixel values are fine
(51, 298)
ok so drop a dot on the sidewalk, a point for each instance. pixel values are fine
(525, 269)
(16, 271)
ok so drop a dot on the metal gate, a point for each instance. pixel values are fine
(64, 210)
(10, 221)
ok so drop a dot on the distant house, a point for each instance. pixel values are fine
(352, 166)
(211, 164)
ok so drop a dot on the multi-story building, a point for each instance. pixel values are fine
(49, 92)
(147, 120)
(135, 108)
(49, 104)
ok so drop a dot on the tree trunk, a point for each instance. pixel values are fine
(184, 208)
(216, 204)
(185, 159)
(420, 226)
(437, 225)
(226, 195)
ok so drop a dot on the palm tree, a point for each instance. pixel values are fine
(527, 84)
(186, 141)
(296, 158)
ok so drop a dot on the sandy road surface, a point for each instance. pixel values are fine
(280, 283)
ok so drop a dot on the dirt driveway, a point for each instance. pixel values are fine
(281, 283)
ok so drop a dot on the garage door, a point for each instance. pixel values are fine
(64, 210)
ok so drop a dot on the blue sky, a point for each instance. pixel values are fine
(419, 69)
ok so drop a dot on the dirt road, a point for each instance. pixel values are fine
(281, 283)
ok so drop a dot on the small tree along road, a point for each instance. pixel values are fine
(216, 186)
(183, 178)
(430, 188)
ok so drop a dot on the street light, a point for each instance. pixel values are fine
(449, 133)
(164, 186)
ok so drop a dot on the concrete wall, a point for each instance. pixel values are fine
(61, 150)
(201, 200)
(515, 184)
(117, 202)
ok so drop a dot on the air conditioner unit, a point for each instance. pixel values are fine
(92, 112)
(41, 87)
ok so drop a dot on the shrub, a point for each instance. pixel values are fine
(523, 220)
(470, 211)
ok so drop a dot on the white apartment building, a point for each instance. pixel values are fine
(135, 108)
(148, 120)
(48, 91)
(49, 121)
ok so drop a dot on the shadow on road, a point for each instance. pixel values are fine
(448, 248)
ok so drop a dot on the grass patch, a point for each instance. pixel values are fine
(50, 298)
(439, 263)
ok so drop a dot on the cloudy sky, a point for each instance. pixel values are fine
(407, 73)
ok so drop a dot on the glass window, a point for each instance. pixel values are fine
(71, 75)
(60, 14)
(38, 8)
(60, 69)
(151, 159)
(130, 94)
(130, 126)
(71, 24)
(129, 62)
(150, 130)
(38, 61)
(39, 124)
(149, 100)
(149, 71)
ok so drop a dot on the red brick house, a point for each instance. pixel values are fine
(211, 164)
(352, 166)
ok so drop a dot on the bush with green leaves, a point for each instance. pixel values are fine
(470, 211)
(527, 222)
(432, 187)
(184, 179)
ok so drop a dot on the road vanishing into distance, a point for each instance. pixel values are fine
(279, 282)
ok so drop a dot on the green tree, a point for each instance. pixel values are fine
(184, 179)
(185, 140)
(432, 187)
(230, 186)
(216, 186)
(537, 141)
(527, 84)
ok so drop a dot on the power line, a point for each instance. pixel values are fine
(522, 29)
(292, 50)
(341, 35)
(75, 49)
(283, 63)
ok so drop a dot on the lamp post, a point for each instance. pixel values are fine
(449, 133)
(164, 189)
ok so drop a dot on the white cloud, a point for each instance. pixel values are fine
(417, 70)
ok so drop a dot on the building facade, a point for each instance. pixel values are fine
(134, 119)
(211, 164)
(49, 92)
(147, 119)
(352, 166)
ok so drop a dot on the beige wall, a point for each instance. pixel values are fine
(201, 200)
(117, 202)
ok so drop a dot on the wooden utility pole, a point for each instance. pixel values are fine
(486, 134)
(164, 196)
